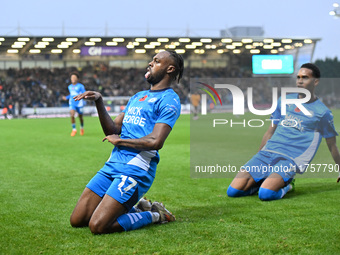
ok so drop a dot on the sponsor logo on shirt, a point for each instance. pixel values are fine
(292, 121)
(133, 116)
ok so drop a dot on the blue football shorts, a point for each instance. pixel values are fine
(79, 110)
(125, 183)
(265, 163)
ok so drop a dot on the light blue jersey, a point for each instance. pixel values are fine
(74, 91)
(142, 112)
(298, 136)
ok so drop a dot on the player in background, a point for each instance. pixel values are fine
(288, 148)
(107, 203)
(195, 101)
(75, 88)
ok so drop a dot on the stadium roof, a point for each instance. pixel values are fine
(127, 46)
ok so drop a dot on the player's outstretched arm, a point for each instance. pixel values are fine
(153, 141)
(269, 133)
(66, 97)
(331, 143)
(88, 95)
(108, 125)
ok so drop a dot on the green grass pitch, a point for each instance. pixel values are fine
(43, 172)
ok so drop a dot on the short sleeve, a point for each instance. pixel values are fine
(326, 125)
(170, 109)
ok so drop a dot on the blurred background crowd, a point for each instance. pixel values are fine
(40, 87)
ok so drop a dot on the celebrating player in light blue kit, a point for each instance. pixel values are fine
(107, 203)
(76, 88)
(289, 145)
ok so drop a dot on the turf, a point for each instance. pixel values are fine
(43, 172)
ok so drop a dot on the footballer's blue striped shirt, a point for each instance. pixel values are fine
(143, 111)
(297, 135)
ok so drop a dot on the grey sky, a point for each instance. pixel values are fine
(289, 18)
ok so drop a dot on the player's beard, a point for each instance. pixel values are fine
(155, 78)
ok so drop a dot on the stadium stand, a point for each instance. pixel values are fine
(41, 87)
(34, 71)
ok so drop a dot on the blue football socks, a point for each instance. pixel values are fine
(232, 192)
(267, 194)
(132, 221)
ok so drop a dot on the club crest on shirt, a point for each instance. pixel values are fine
(151, 100)
(143, 98)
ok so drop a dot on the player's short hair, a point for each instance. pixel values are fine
(75, 73)
(315, 70)
(179, 65)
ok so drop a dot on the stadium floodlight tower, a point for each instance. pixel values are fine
(336, 10)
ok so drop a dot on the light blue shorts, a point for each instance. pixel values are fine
(265, 163)
(119, 182)
(79, 110)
